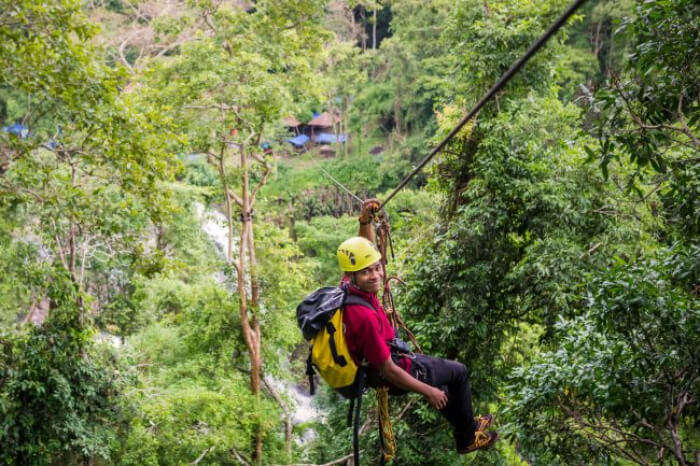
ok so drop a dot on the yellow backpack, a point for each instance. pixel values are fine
(320, 318)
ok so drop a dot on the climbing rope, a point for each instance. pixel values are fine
(387, 440)
(385, 244)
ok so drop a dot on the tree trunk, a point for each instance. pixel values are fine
(397, 114)
(374, 28)
(346, 126)
(363, 16)
(249, 324)
(246, 273)
(227, 204)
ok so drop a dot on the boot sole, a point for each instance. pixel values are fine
(494, 438)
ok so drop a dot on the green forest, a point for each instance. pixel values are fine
(176, 175)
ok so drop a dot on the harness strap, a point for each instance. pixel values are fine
(354, 299)
(382, 461)
(356, 432)
(350, 411)
(339, 359)
(358, 410)
(310, 374)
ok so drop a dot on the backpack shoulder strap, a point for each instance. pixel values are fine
(354, 299)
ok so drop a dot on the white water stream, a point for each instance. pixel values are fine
(301, 403)
(302, 409)
(214, 224)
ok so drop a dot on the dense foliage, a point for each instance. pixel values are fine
(59, 402)
(552, 247)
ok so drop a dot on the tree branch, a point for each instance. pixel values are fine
(85, 246)
(285, 410)
(239, 456)
(342, 460)
(260, 184)
(210, 107)
(235, 197)
(59, 246)
(643, 126)
(200, 457)
(681, 118)
(27, 190)
(121, 48)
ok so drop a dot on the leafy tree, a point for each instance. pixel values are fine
(50, 73)
(487, 39)
(649, 113)
(407, 70)
(192, 358)
(623, 377)
(79, 189)
(59, 399)
(599, 36)
(228, 88)
(344, 77)
(528, 228)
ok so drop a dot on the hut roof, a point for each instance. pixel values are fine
(291, 122)
(324, 120)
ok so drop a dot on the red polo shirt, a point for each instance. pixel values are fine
(367, 330)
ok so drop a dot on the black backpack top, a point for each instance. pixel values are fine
(317, 308)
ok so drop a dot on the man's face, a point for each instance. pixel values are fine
(370, 278)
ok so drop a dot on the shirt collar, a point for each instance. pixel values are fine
(355, 290)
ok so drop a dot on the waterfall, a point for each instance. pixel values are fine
(215, 226)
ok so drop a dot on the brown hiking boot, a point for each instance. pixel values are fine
(483, 422)
(482, 441)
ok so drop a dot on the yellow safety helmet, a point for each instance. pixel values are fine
(357, 253)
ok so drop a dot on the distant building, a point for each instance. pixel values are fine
(293, 125)
(323, 123)
(322, 129)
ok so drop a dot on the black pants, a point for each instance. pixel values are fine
(453, 378)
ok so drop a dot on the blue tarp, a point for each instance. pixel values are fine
(17, 129)
(193, 158)
(328, 138)
(299, 141)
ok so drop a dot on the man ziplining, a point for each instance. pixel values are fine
(349, 320)
(370, 339)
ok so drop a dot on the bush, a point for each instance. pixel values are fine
(622, 379)
(59, 396)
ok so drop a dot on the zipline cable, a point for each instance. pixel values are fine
(514, 68)
(342, 186)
